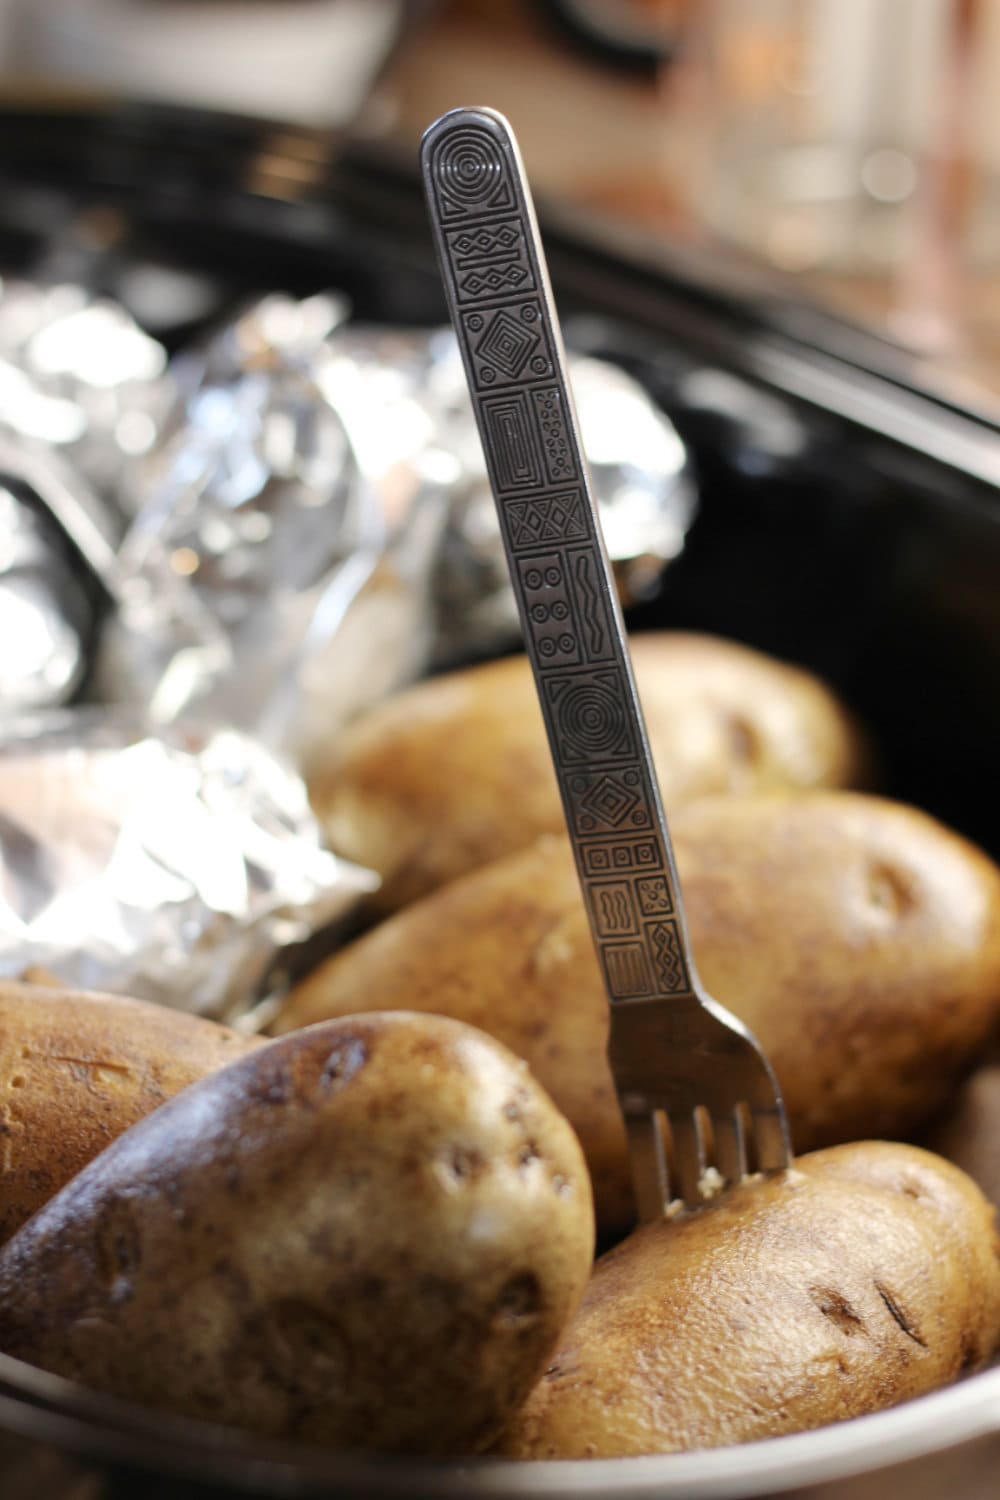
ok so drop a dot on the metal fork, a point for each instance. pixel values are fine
(695, 1089)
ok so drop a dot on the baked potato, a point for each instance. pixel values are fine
(865, 1276)
(456, 771)
(367, 1234)
(859, 940)
(78, 1069)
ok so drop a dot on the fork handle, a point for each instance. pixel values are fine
(496, 283)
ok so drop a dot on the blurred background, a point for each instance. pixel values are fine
(849, 144)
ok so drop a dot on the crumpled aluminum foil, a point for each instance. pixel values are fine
(177, 867)
(80, 376)
(313, 527)
(266, 583)
(319, 527)
(642, 480)
(43, 615)
(57, 566)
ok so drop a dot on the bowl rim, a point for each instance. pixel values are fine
(49, 1409)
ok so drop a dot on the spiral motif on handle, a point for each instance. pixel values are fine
(469, 167)
(591, 719)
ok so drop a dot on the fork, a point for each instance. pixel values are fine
(695, 1089)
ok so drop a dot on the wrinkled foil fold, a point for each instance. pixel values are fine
(264, 537)
(319, 529)
(178, 867)
(79, 376)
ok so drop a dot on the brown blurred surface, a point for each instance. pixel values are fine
(618, 144)
(587, 132)
(28, 1472)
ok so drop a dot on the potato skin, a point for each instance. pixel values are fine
(859, 940)
(507, 949)
(864, 1277)
(77, 1069)
(367, 1234)
(456, 771)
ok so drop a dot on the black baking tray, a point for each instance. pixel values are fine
(849, 511)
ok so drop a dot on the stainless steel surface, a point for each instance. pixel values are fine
(677, 1056)
(643, 483)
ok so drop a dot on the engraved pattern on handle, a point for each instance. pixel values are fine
(494, 274)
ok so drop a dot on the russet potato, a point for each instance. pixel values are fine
(369, 1234)
(76, 1070)
(867, 1275)
(456, 771)
(859, 940)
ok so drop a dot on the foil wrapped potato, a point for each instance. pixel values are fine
(368, 1234)
(865, 1276)
(858, 939)
(456, 771)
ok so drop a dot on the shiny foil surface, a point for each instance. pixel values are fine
(318, 526)
(264, 537)
(79, 376)
(176, 867)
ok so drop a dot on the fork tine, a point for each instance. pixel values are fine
(730, 1145)
(648, 1160)
(771, 1141)
(688, 1154)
